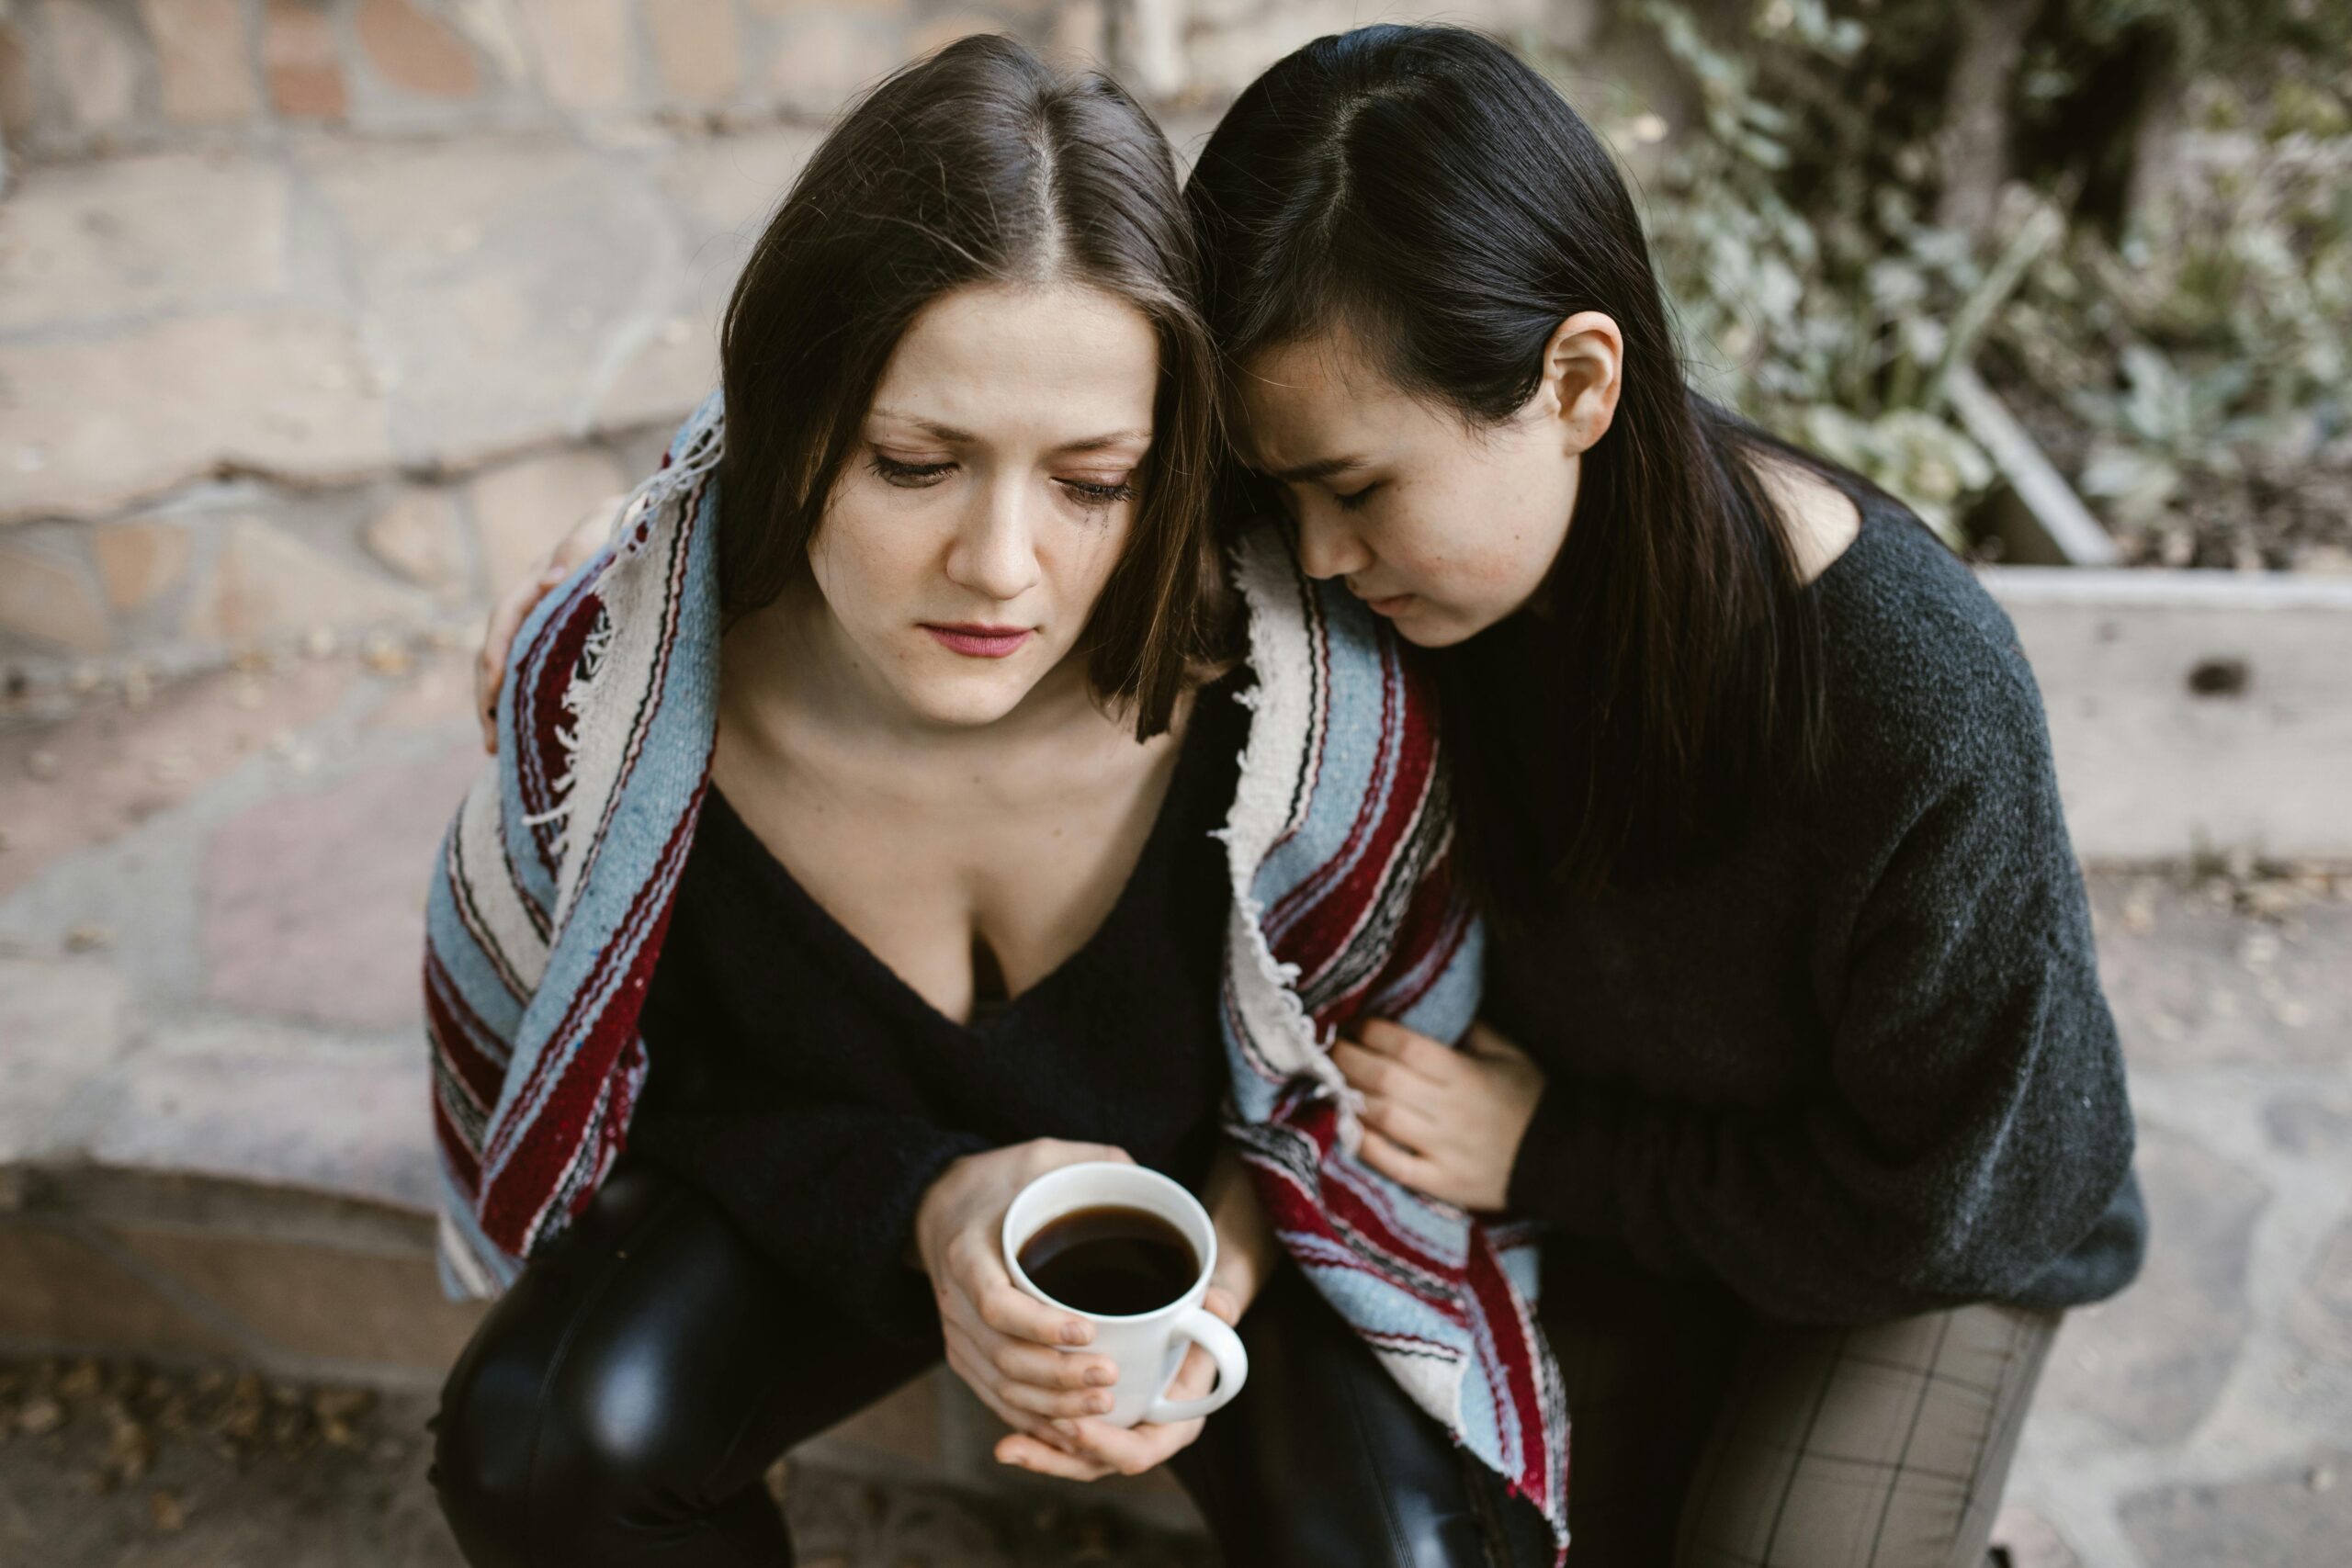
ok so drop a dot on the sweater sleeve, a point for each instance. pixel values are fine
(828, 1191)
(1970, 1124)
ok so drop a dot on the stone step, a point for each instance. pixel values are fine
(311, 1287)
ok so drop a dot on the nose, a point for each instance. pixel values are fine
(1328, 546)
(994, 552)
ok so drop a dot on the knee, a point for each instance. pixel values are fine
(1325, 1461)
(532, 1457)
(484, 1432)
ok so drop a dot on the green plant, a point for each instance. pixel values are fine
(1811, 293)
(2207, 357)
(2195, 365)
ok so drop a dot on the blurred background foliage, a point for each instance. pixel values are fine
(2132, 218)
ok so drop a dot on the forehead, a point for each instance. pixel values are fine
(1004, 362)
(1310, 400)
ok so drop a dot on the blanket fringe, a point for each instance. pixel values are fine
(695, 452)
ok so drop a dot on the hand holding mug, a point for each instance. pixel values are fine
(1135, 1255)
(1002, 1340)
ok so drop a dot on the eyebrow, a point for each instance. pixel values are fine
(951, 434)
(1321, 468)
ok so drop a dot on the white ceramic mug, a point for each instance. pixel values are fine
(1147, 1348)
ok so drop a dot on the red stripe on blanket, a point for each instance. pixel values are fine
(1320, 936)
(1432, 930)
(468, 1168)
(640, 723)
(1302, 901)
(645, 905)
(520, 1193)
(1499, 1304)
(546, 670)
(458, 1033)
(1318, 1121)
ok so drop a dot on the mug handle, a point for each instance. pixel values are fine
(1212, 1334)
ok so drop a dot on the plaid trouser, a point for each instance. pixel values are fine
(1705, 1436)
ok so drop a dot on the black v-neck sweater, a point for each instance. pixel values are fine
(1859, 1065)
(814, 1095)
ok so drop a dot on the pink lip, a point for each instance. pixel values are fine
(1389, 607)
(978, 641)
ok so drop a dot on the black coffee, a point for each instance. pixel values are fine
(1112, 1261)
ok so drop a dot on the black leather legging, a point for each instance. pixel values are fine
(620, 1403)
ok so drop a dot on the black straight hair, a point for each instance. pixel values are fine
(1426, 191)
(978, 163)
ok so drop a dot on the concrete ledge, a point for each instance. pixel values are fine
(2193, 712)
(312, 1286)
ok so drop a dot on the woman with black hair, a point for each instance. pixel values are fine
(1794, 1039)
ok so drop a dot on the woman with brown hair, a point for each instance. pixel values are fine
(841, 877)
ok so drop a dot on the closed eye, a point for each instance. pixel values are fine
(1354, 500)
(909, 476)
(1092, 495)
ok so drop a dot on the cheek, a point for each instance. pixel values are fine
(1521, 517)
(1078, 560)
(866, 556)
(1477, 541)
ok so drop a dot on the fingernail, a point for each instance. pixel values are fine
(1102, 1377)
(1076, 1334)
(1066, 1429)
(1100, 1403)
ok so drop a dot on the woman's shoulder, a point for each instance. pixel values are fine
(1924, 672)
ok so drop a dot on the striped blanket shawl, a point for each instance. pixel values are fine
(556, 880)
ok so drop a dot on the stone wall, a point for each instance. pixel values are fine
(318, 319)
(83, 77)
(93, 76)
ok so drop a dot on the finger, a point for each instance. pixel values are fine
(996, 1303)
(1409, 1049)
(1131, 1450)
(1195, 1377)
(1010, 1311)
(1053, 1401)
(1405, 1123)
(1052, 1154)
(965, 1361)
(1398, 1163)
(1041, 1368)
(490, 673)
(1374, 1073)
(1031, 1454)
(490, 665)
(973, 1369)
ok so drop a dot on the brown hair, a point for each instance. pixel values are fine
(978, 163)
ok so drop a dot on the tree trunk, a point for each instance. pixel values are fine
(1974, 144)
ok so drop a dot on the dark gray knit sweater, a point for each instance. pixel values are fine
(1859, 1065)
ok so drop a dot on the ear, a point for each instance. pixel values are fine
(1584, 364)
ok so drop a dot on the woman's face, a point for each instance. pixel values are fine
(970, 533)
(1443, 527)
